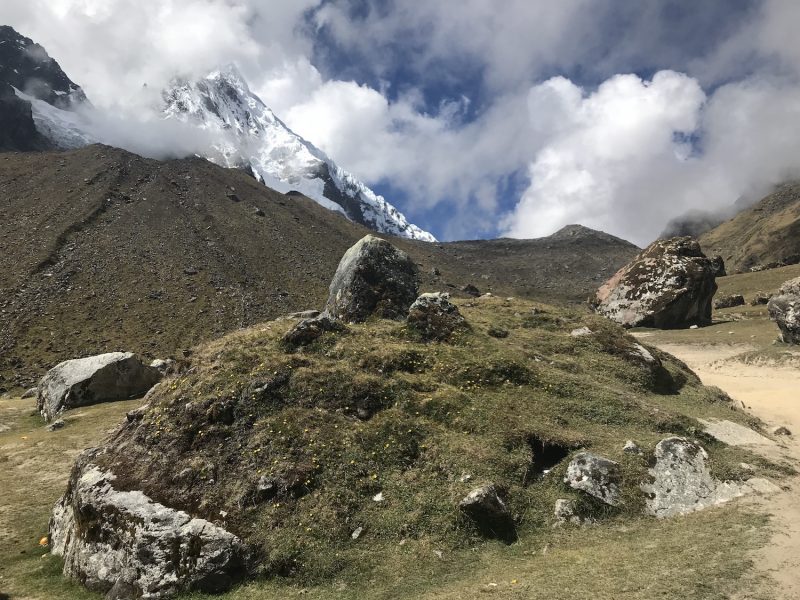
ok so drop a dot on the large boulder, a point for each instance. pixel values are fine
(124, 544)
(597, 476)
(670, 285)
(373, 278)
(682, 482)
(784, 309)
(102, 378)
(434, 317)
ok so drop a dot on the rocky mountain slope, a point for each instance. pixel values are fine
(28, 74)
(764, 235)
(251, 136)
(102, 250)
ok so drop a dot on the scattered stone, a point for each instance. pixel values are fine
(597, 476)
(669, 285)
(564, 512)
(310, 330)
(784, 309)
(163, 365)
(729, 302)
(378, 497)
(259, 212)
(190, 271)
(471, 290)
(373, 277)
(631, 447)
(357, 533)
(694, 327)
(488, 510)
(760, 299)
(498, 332)
(85, 381)
(718, 266)
(581, 332)
(434, 317)
(781, 431)
(56, 425)
(232, 197)
(435, 272)
(31, 393)
(125, 543)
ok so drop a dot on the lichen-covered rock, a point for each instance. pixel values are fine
(564, 511)
(373, 277)
(488, 510)
(682, 481)
(125, 544)
(784, 309)
(669, 285)
(597, 476)
(102, 378)
(729, 301)
(434, 317)
(309, 330)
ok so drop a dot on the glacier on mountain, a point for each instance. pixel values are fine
(252, 136)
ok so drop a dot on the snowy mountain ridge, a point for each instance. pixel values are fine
(252, 136)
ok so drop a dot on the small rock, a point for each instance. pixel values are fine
(434, 317)
(631, 447)
(357, 533)
(164, 365)
(729, 302)
(497, 332)
(56, 425)
(258, 212)
(564, 511)
(309, 330)
(378, 497)
(694, 327)
(488, 510)
(597, 476)
(760, 299)
(190, 271)
(581, 332)
(471, 290)
(781, 431)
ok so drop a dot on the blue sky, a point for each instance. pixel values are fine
(480, 118)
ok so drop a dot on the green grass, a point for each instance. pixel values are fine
(372, 410)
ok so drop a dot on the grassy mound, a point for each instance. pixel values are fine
(326, 458)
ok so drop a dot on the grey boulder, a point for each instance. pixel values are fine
(373, 278)
(784, 309)
(125, 545)
(682, 482)
(597, 476)
(92, 380)
(434, 317)
(669, 285)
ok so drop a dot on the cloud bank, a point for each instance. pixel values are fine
(510, 120)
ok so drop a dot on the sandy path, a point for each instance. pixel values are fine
(772, 394)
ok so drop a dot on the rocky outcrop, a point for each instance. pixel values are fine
(718, 265)
(373, 278)
(92, 380)
(729, 301)
(682, 482)
(597, 476)
(434, 318)
(124, 544)
(488, 510)
(784, 309)
(669, 285)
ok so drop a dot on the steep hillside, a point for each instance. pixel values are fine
(765, 235)
(103, 250)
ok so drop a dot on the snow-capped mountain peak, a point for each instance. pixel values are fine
(251, 135)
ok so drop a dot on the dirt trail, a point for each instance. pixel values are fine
(773, 394)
